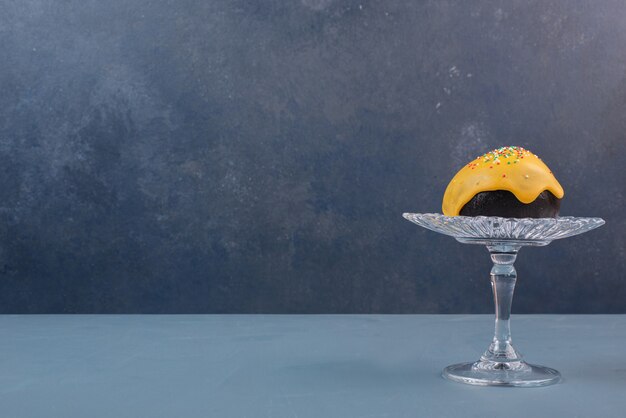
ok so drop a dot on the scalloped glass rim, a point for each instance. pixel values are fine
(486, 229)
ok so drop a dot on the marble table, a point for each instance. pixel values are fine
(299, 366)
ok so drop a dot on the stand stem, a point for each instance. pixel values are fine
(501, 364)
(501, 354)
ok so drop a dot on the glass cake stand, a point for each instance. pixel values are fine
(501, 364)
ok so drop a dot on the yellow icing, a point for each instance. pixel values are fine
(509, 168)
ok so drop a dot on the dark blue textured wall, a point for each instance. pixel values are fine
(256, 156)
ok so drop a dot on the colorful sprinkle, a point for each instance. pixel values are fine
(512, 154)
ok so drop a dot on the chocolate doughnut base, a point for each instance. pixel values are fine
(504, 204)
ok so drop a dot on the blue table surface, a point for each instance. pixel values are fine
(299, 366)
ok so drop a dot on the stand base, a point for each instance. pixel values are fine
(483, 373)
